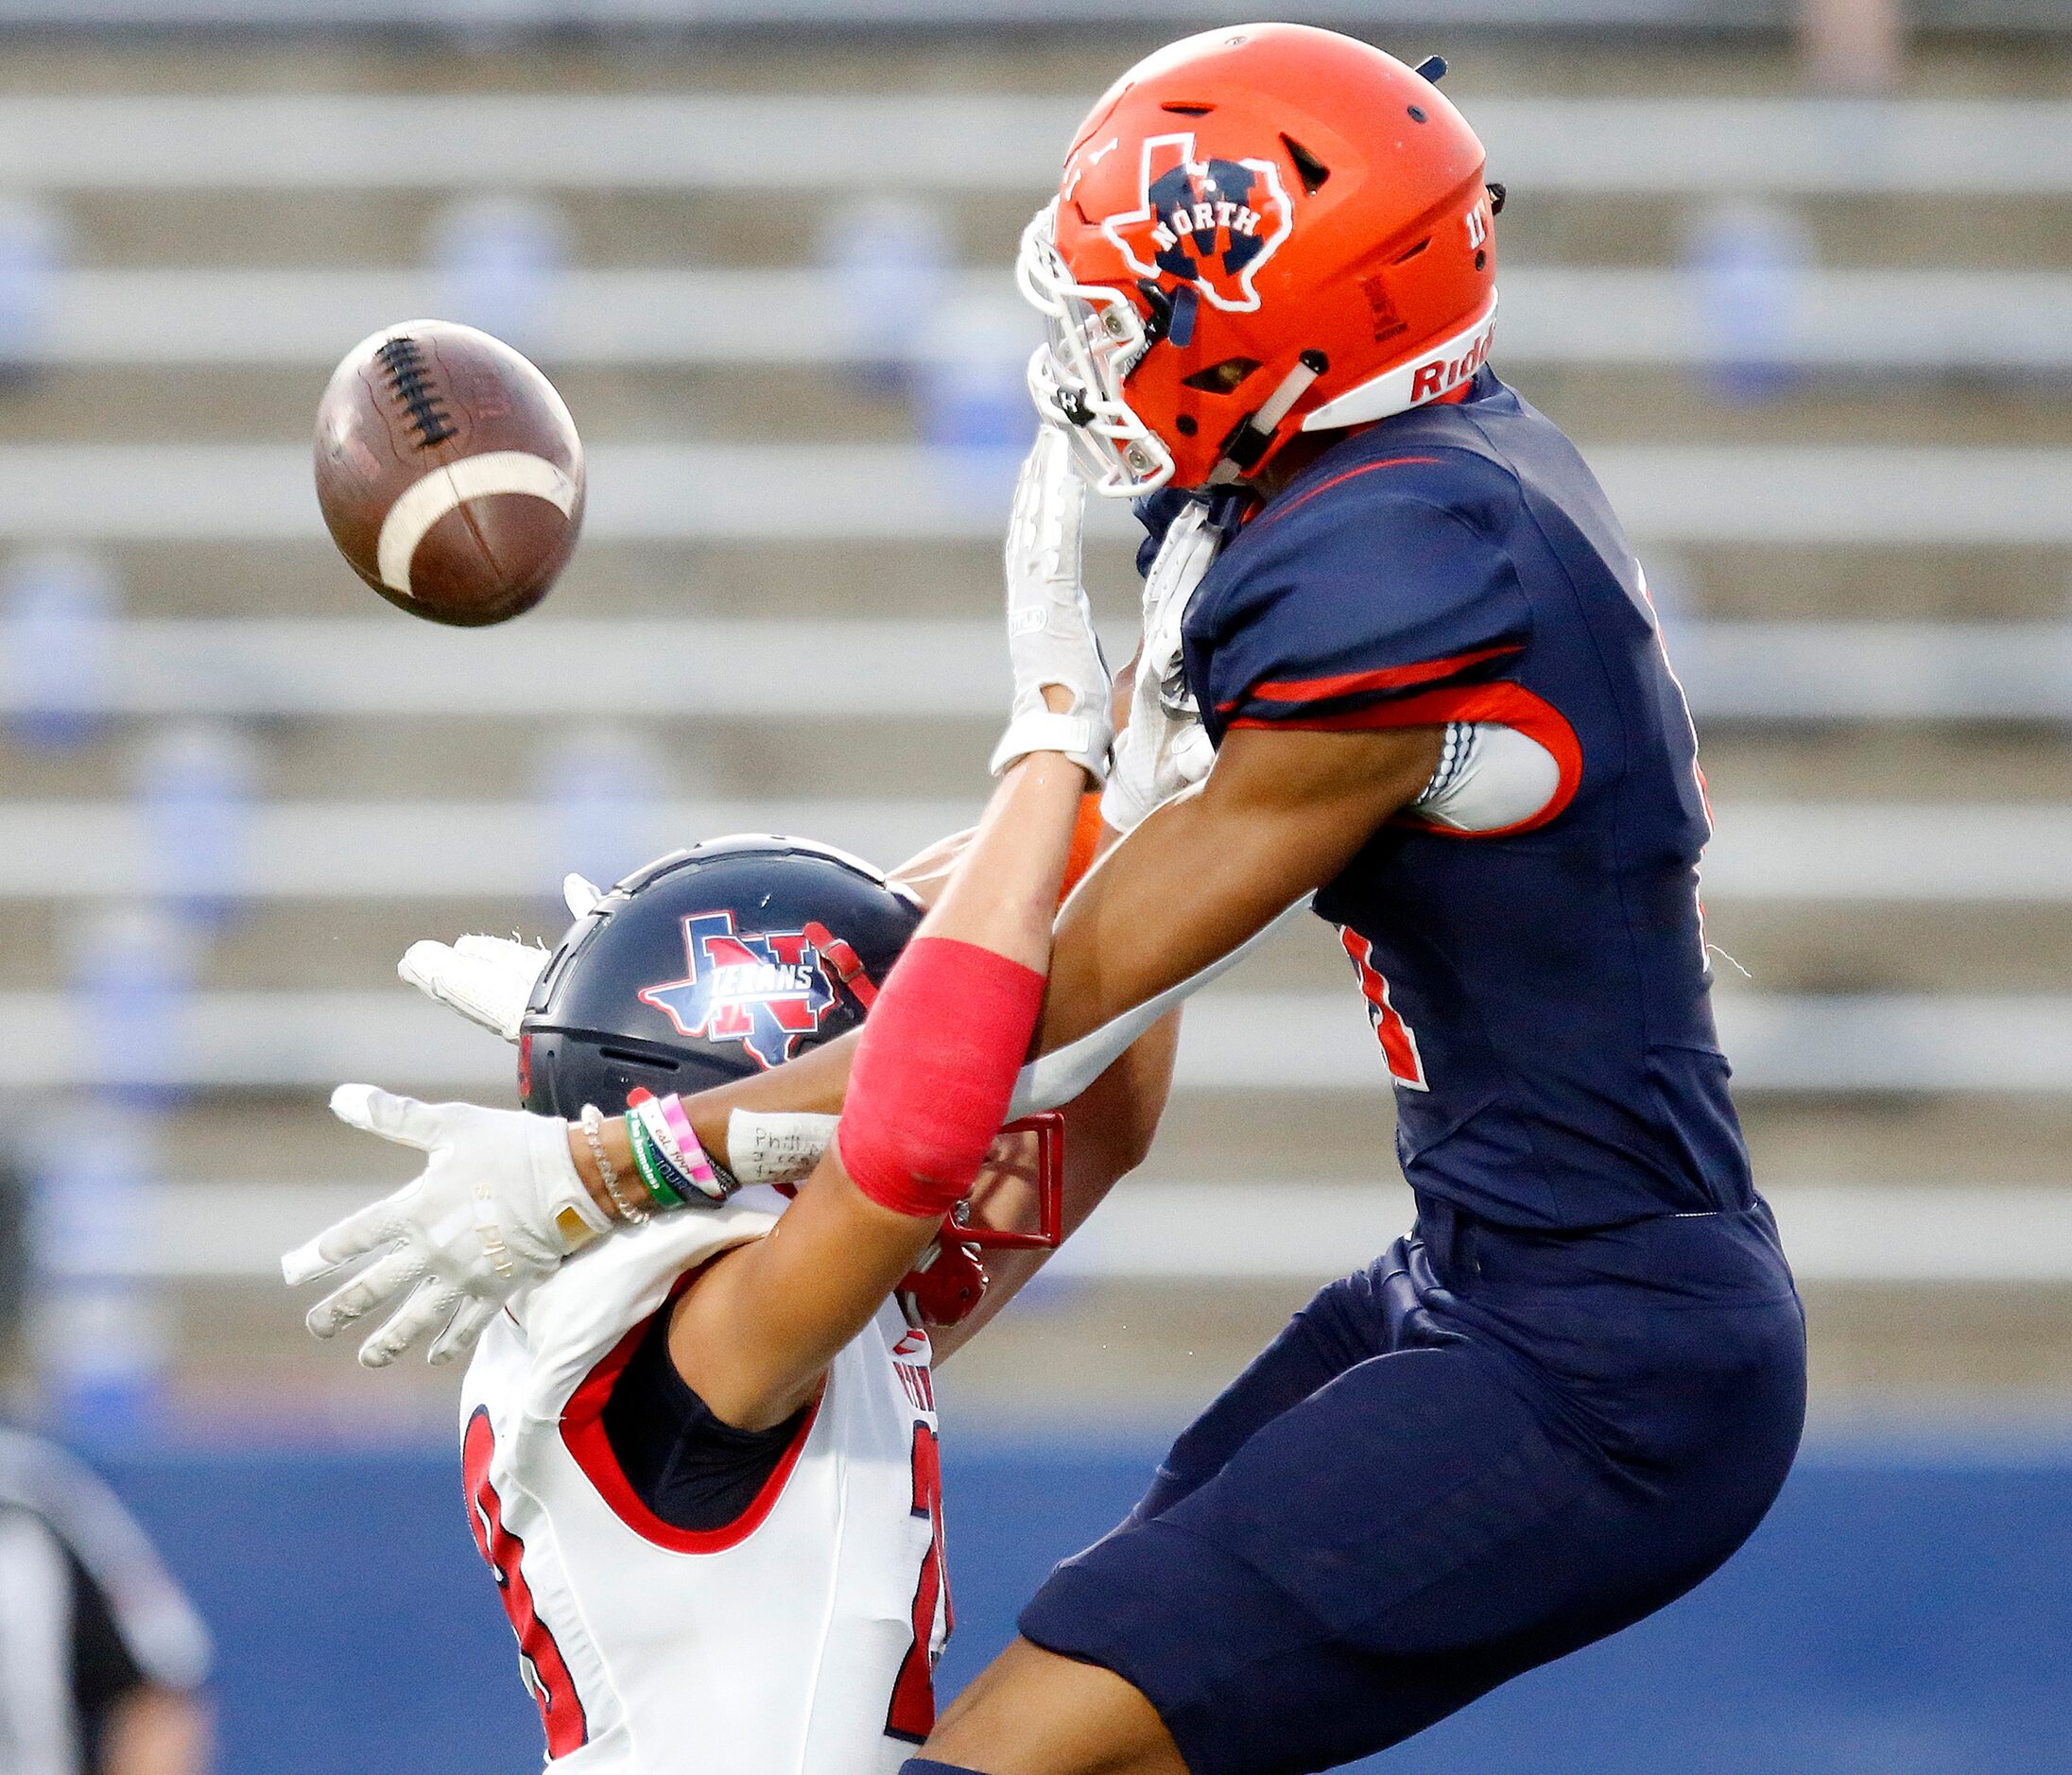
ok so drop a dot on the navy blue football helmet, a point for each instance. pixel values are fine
(715, 963)
(707, 966)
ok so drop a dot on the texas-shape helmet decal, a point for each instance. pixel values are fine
(1211, 223)
(764, 990)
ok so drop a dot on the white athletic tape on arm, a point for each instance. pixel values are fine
(776, 1147)
(430, 498)
(1057, 1079)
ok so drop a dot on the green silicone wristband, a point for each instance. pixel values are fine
(650, 1170)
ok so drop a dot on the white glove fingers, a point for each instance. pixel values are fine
(360, 1232)
(429, 1304)
(381, 1281)
(1050, 625)
(504, 954)
(485, 1219)
(1156, 757)
(1163, 750)
(403, 1120)
(1028, 492)
(1044, 523)
(579, 895)
(305, 1263)
(1044, 471)
(487, 979)
(463, 1329)
(425, 965)
(1065, 496)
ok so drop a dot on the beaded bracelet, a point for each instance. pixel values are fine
(653, 1168)
(630, 1207)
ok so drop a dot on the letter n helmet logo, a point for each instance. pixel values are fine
(1210, 223)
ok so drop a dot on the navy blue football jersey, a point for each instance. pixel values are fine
(1539, 988)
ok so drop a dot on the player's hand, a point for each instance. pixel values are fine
(1157, 756)
(1164, 750)
(499, 1204)
(1050, 626)
(489, 980)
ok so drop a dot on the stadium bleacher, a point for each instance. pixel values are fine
(785, 592)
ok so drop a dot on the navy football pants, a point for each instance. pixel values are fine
(1488, 1449)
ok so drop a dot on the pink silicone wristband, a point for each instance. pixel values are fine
(690, 1150)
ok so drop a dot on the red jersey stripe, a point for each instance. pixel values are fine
(1382, 678)
(1510, 705)
(1272, 512)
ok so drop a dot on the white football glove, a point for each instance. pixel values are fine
(1050, 626)
(1165, 750)
(498, 1205)
(489, 980)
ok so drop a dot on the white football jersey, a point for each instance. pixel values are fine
(802, 1639)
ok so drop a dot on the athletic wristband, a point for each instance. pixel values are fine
(673, 1142)
(1043, 731)
(934, 1071)
(649, 1163)
(678, 1139)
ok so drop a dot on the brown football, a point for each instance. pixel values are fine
(449, 473)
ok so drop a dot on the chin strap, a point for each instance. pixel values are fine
(1253, 436)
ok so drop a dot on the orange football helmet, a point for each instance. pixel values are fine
(1260, 230)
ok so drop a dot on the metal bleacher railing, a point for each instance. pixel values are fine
(829, 142)
(1906, 853)
(732, 668)
(1865, 320)
(468, 18)
(472, 18)
(1667, 493)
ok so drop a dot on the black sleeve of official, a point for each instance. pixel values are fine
(104, 1670)
(134, 1625)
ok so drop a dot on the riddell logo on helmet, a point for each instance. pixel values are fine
(1210, 223)
(1433, 379)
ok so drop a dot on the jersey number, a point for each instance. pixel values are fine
(1398, 1043)
(912, 1714)
(539, 1657)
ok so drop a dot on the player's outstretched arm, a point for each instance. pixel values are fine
(1280, 815)
(1109, 1126)
(936, 1064)
(934, 1070)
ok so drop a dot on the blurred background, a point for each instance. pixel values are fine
(1796, 273)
